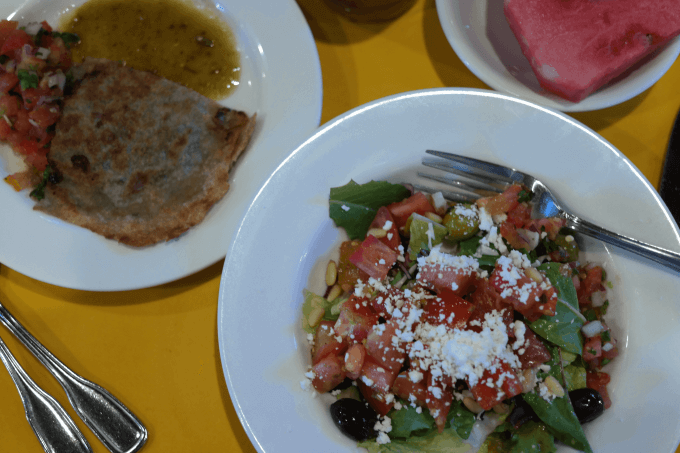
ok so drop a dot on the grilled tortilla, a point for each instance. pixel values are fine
(142, 158)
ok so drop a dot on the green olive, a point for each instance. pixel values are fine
(460, 226)
(567, 249)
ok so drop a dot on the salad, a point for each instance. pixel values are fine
(445, 324)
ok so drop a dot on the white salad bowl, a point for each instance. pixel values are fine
(481, 37)
(284, 241)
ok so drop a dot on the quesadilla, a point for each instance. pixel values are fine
(140, 159)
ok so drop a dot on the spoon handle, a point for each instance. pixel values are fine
(50, 422)
(113, 423)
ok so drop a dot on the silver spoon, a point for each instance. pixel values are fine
(113, 423)
(51, 424)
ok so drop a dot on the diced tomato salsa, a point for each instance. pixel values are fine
(33, 74)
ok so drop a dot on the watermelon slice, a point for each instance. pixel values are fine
(577, 46)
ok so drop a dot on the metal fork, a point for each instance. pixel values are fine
(482, 178)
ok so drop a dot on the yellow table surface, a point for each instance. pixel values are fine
(156, 349)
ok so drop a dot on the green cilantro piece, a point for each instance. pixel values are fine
(28, 79)
(68, 38)
(38, 191)
(523, 196)
(606, 336)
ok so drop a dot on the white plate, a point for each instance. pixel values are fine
(286, 233)
(482, 39)
(280, 81)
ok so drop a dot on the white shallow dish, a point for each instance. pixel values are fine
(481, 37)
(280, 81)
(286, 234)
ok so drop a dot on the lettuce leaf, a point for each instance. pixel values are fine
(354, 206)
(432, 442)
(563, 329)
(558, 415)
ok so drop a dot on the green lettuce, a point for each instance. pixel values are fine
(354, 206)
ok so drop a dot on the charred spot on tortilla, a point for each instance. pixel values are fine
(142, 159)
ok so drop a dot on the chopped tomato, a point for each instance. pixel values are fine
(381, 348)
(438, 277)
(438, 402)
(374, 257)
(592, 349)
(7, 82)
(447, 309)
(384, 221)
(485, 300)
(5, 129)
(326, 343)
(44, 116)
(501, 203)
(15, 40)
(328, 373)
(413, 392)
(515, 238)
(532, 299)
(375, 399)
(356, 320)
(532, 352)
(520, 215)
(6, 28)
(348, 273)
(402, 210)
(22, 125)
(590, 283)
(9, 105)
(598, 381)
(376, 376)
(551, 226)
(46, 26)
(494, 387)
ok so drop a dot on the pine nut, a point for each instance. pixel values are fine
(315, 316)
(501, 408)
(554, 386)
(331, 273)
(528, 380)
(472, 405)
(377, 232)
(334, 293)
(533, 274)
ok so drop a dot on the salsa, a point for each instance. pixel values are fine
(462, 321)
(34, 69)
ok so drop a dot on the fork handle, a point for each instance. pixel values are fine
(660, 255)
(112, 422)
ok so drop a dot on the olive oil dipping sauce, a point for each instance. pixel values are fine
(172, 38)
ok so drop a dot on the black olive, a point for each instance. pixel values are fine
(588, 404)
(522, 413)
(355, 419)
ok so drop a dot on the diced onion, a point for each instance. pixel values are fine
(598, 298)
(533, 237)
(42, 53)
(592, 329)
(439, 203)
(57, 79)
(608, 347)
(33, 28)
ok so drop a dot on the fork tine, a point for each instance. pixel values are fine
(479, 168)
(467, 185)
(466, 197)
